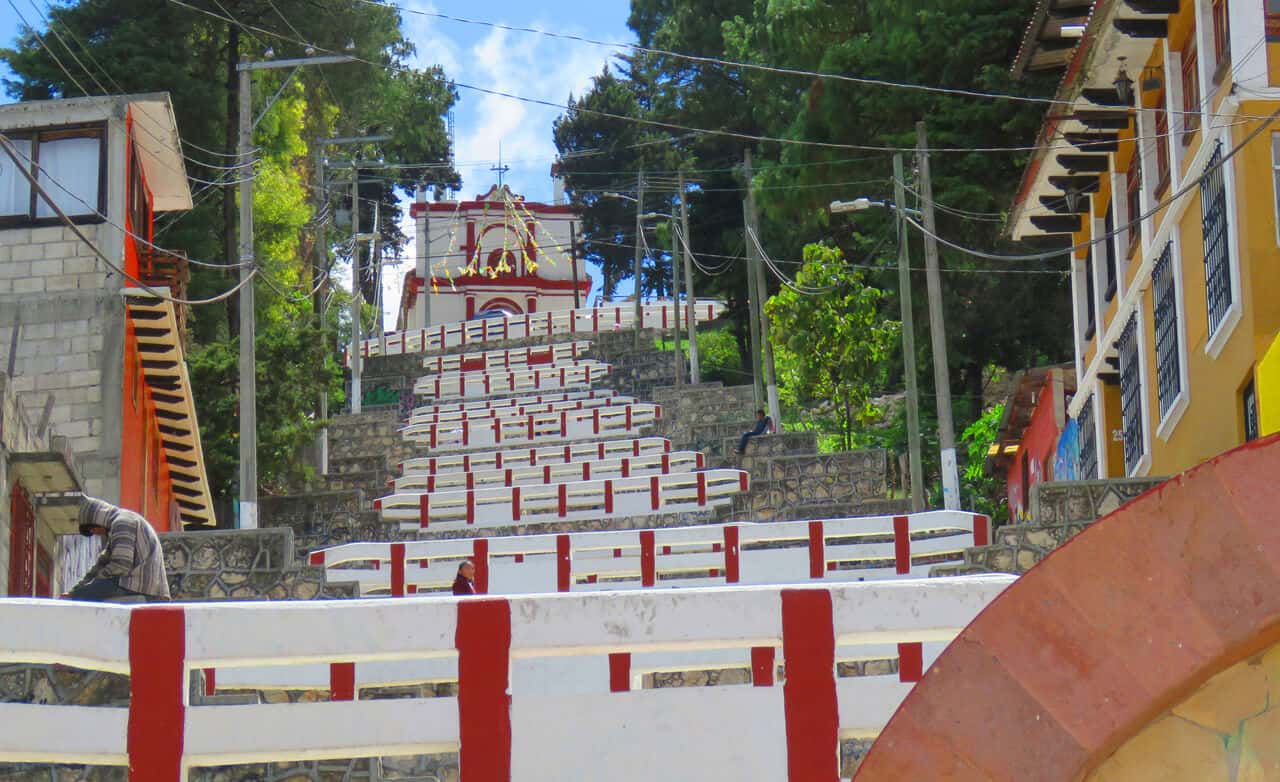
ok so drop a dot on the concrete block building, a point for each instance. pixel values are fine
(85, 345)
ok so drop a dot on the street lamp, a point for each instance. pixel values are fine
(908, 332)
(248, 360)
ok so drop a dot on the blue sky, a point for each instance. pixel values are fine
(531, 65)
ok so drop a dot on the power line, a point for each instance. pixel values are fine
(15, 156)
(671, 126)
(1132, 224)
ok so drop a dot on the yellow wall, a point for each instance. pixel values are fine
(1273, 64)
(1113, 423)
(1269, 390)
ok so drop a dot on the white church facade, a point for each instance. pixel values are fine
(494, 256)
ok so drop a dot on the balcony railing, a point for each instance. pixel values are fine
(161, 269)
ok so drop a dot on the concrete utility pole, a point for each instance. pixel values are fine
(753, 317)
(937, 331)
(357, 295)
(675, 300)
(762, 293)
(639, 240)
(694, 371)
(248, 357)
(573, 263)
(908, 342)
(320, 261)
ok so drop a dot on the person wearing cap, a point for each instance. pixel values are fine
(131, 563)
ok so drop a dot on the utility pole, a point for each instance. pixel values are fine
(753, 317)
(248, 357)
(639, 240)
(675, 301)
(694, 371)
(573, 263)
(762, 291)
(908, 342)
(357, 296)
(320, 258)
(937, 331)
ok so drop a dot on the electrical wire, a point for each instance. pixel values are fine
(670, 126)
(14, 155)
(774, 69)
(1132, 224)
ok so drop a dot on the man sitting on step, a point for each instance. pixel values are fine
(131, 566)
(763, 424)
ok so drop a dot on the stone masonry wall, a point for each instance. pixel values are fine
(70, 321)
(242, 565)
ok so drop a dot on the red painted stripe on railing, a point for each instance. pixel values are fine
(702, 489)
(433, 440)
(666, 463)
(466, 462)
(563, 563)
(599, 450)
(471, 507)
(981, 530)
(627, 418)
(483, 640)
(564, 424)
(546, 473)
(431, 465)
(515, 501)
(431, 483)
(562, 499)
(817, 550)
(762, 666)
(699, 460)
(497, 431)
(595, 420)
(586, 471)
(497, 461)
(626, 467)
(157, 687)
(648, 562)
(635, 447)
(666, 551)
(744, 482)
(397, 570)
(617, 553)
(316, 558)
(901, 545)
(529, 425)
(591, 579)
(210, 681)
(731, 555)
(620, 672)
(809, 693)
(480, 558)
(608, 496)
(424, 510)
(342, 681)
(466, 435)
(910, 662)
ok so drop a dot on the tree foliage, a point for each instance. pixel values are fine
(143, 46)
(831, 348)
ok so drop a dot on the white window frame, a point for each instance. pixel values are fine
(1098, 256)
(1169, 421)
(1143, 465)
(1177, 120)
(1213, 348)
(1120, 210)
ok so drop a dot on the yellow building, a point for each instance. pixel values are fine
(1160, 165)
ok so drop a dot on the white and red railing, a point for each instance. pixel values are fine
(481, 361)
(784, 552)
(515, 407)
(609, 498)
(510, 720)
(481, 405)
(474, 385)
(534, 457)
(561, 472)
(535, 428)
(585, 320)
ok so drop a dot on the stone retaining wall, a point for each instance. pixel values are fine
(814, 486)
(242, 565)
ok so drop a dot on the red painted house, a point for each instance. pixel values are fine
(1026, 444)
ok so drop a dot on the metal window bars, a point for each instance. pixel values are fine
(1131, 394)
(1164, 304)
(1088, 459)
(1217, 261)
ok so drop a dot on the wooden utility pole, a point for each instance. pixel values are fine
(937, 331)
(677, 350)
(908, 342)
(357, 295)
(248, 360)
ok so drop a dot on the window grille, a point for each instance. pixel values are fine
(1217, 262)
(1109, 227)
(1131, 395)
(1249, 398)
(1091, 322)
(1165, 305)
(1088, 460)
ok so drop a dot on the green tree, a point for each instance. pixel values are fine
(831, 343)
(983, 490)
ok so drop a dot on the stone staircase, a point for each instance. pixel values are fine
(1061, 510)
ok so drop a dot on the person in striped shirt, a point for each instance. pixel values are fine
(131, 563)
